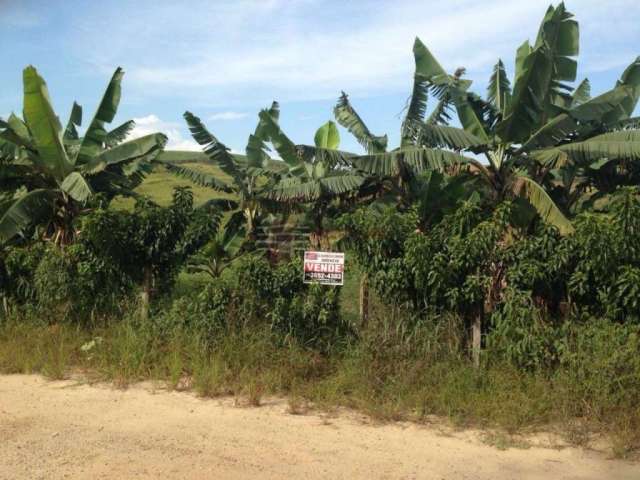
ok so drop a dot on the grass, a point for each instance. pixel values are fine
(159, 185)
(382, 375)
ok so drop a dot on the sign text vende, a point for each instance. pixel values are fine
(324, 267)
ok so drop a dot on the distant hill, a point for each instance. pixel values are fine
(181, 156)
(160, 183)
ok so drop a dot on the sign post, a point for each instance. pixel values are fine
(326, 268)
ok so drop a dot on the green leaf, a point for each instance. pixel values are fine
(338, 184)
(199, 178)
(349, 119)
(119, 134)
(522, 53)
(126, 152)
(295, 189)
(582, 93)
(539, 71)
(16, 132)
(414, 159)
(44, 125)
(592, 150)
(439, 136)
(415, 112)
(256, 148)
(551, 133)
(499, 89)
(75, 120)
(282, 144)
(440, 114)
(217, 152)
(451, 89)
(327, 156)
(95, 137)
(30, 209)
(535, 194)
(19, 128)
(77, 187)
(631, 78)
(468, 115)
(327, 136)
(426, 67)
(618, 136)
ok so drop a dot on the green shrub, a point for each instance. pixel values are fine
(522, 335)
(254, 293)
(75, 283)
(17, 270)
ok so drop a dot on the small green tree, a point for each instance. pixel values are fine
(152, 243)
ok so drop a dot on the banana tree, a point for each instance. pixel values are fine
(532, 132)
(248, 176)
(504, 127)
(427, 143)
(318, 176)
(218, 254)
(51, 175)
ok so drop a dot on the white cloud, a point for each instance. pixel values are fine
(230, 115)
(152, 124)
(299, 55)
(306, 50)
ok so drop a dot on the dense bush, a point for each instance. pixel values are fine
(151, 243)
(76, 283)
(63, 284)
(255, 293)
(17, 272)
(527, 282)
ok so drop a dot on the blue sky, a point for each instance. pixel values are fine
(224, 61)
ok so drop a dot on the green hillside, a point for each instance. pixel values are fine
(160, 183)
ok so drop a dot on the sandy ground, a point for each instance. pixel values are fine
(65, 429)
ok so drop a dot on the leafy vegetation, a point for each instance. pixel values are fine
(500, 240)
(50, 175)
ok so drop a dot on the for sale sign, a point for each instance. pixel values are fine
(326, 268)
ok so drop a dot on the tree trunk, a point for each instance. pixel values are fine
(364, 300)
(145, 295)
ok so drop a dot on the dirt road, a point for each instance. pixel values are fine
(55, 430)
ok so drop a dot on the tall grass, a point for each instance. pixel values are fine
(389, 372)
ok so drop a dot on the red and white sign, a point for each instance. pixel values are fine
(326, 268)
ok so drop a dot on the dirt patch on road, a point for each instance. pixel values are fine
(66, 429)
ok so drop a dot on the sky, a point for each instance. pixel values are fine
(226, 60)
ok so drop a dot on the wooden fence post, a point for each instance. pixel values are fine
(476, 339)
(364, 300)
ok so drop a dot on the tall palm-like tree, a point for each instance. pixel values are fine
(318, 175)
(528, 134)
(249, 175)
(50, 175)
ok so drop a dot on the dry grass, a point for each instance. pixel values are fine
(389, 383)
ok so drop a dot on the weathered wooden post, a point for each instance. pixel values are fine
(364, 300)
(476, 339)
(145, 295)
